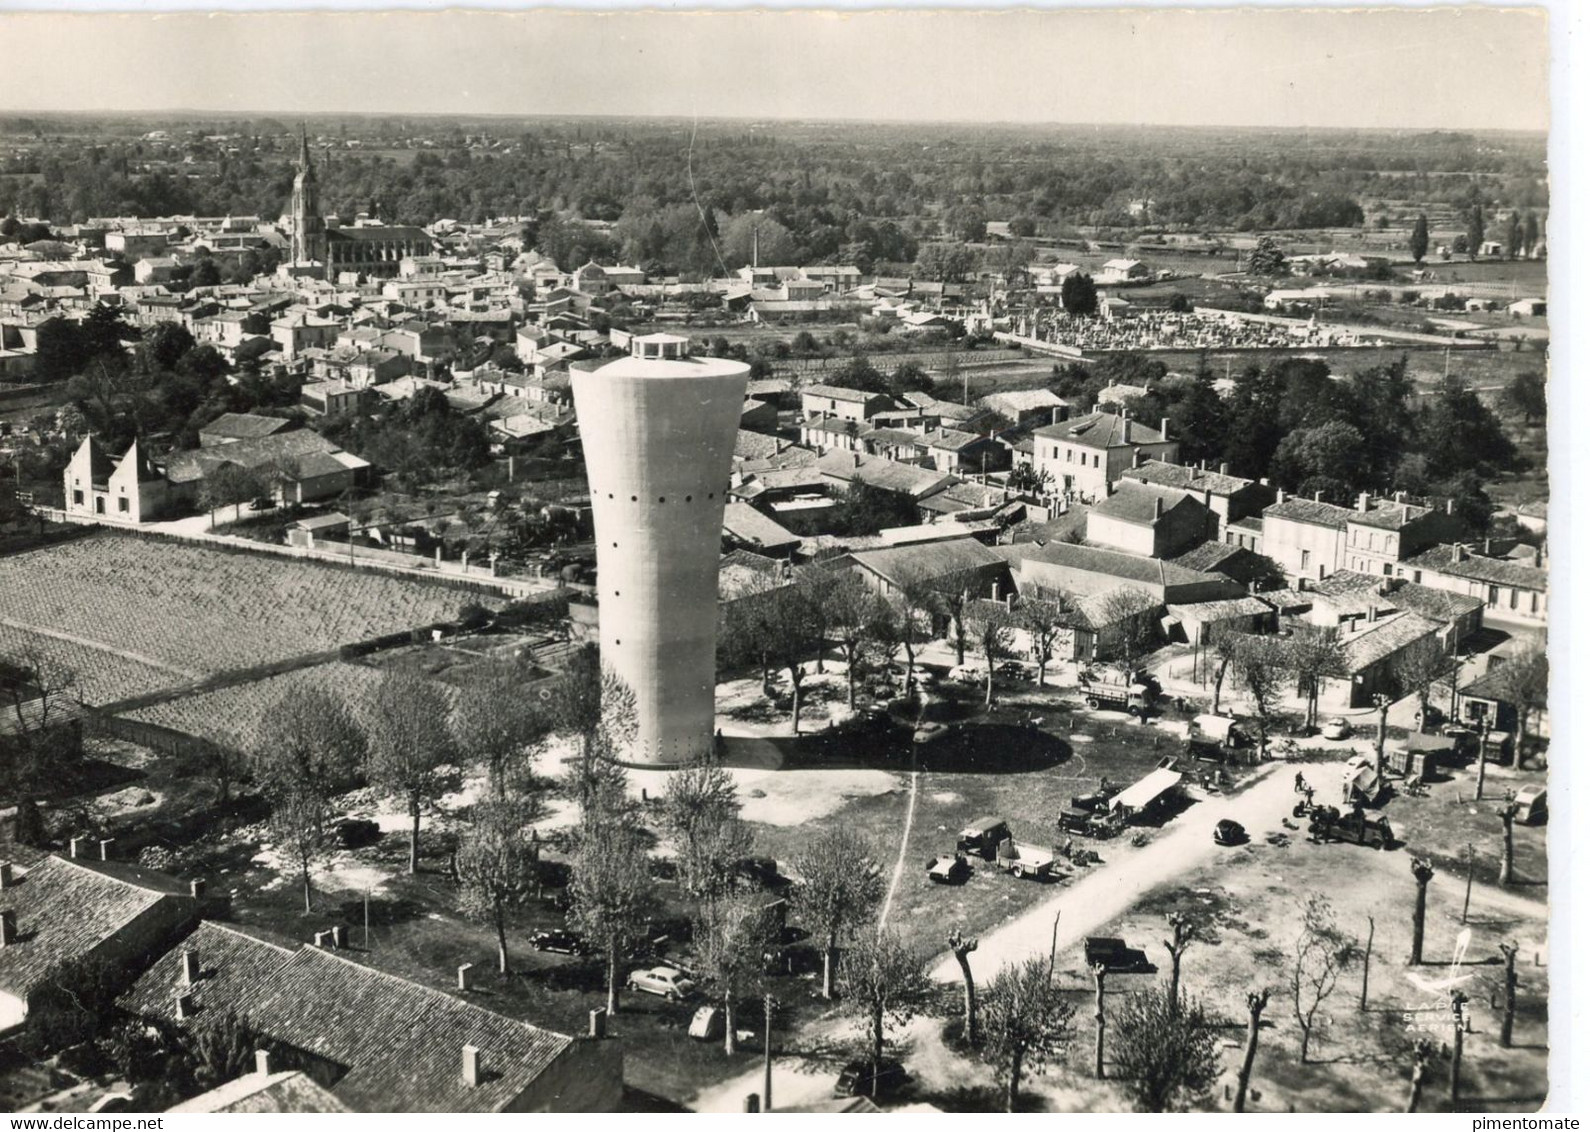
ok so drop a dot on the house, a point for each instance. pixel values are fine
(1347, 600)
(1371, 659)
(759, 416)
(155, 269)
(747, 528)
(1123, 271)
(71, 918)
(1100, 623)
(841, 469)
(1086, 455)
(1022, 406)
(301, 465)
(965, 561)
(1491, 700)
(824, 433)
(1229, 497)
(1510, 590)
(289, 1090)
(229, 428)
(1311, 539)
(1527, 308)
(122, 487)
(1197, 622)
(331, 398)
(951, 450)
(1088, 570)
(847, 404)
(377, 1042)
(1138, 520)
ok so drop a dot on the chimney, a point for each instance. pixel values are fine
(6, 880)
(74, 844)
(184, 1007)
(1207, 497)
(1405, 514)
(1137, 457)
(323, 939)
(1225, 470)
(993, 591)
(196, 889)
(1400, 496)
(1159, 506)
(1280, 496)
(598, 1028)
(190, 966)
(1264, 481)
(753, 1102)
(1319, 496)
(262, 1062)
(1363, 500)
(8, 928)
(1374, 613)
(1487, 550)
(471, 1066)
(465, 976)
(1449, 507)
(1057, 414)
(1164, 428)
(1010, 601)
(104, 847)
(1457, 553)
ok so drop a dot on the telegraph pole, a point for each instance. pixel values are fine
(767, 1052)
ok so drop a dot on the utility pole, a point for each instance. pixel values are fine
(1468, 887)
(1458, 1001)
(1509, 993)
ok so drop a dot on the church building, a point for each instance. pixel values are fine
(329, 251)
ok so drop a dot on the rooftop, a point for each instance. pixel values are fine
(1163, 474)
(1101, 430)
(1459, 562)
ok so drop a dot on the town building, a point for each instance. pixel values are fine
(1510, 590)
(1085, 456)
(124, 487)
(1141, 521)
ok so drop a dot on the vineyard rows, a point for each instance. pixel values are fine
(202, 610)
(101, 676)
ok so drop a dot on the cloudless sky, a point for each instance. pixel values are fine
(1463, 68)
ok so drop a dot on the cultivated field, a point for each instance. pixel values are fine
(132, 615)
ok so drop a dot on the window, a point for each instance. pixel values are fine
(1512, 601)
(1491, 595)
(1069, 454)
(1418, 576)
(1386, 569)
(1095, 461)
(77, 498)
(121, 504)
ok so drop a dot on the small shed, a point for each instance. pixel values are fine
(1147, 794)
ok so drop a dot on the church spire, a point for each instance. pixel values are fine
(303, 147)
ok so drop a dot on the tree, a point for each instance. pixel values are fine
(1027, 1023)
(1267, 258)
(992, 630)
(306, 747)
(944, 263)
(795, 632)
(1476, 231)
(1419, 241)
(1318, 955)
(840, 887)
(1313, 460)
(1123, 622)
(1166, 1051)
(732, 937)
(1423, 874)
(1418, 666)
(1515, 236)
(1257, 1001)
(1315, 654)
(961, 946)
(1079, 295)
(39, 690)
(1043, 614)
(700, 812)
(1186, 929)
(611, 890)
(1525, 394)
(206, 273)
(165, 344)
(885, 986)
(496, 865)
(852, 612)
(410, 742)
(1531, 233)
(1419, 1071)
(229, 486)
(1507, 813)
(593, 703)
(1523, 683)
(498, 722)
(1028, 479)
(1261, 671)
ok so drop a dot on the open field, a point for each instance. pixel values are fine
(183, 612)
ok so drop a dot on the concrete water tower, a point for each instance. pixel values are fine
(658, 430)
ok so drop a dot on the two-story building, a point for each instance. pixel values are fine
(1141, 521)
(119, 487)
(1231, 498)
(847, 404)
(1086, 455)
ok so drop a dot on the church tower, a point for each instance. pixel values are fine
(309, 227)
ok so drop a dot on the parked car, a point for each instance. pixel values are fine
(949, 868)
(968, 673)
(1337, 728)
(864, 1078)
(1115, 955)
(927, 731)
(1014, 669)
(556, 939)
(1228, 832)
(1530, 805)
(664, 982)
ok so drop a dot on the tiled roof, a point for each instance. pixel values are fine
(1098, 611)
(1134, 504)
(1477, 567)
(378, 232)
(195, 464)
(243, 426)
(401, 1042)
(1220, 610)
(1388, 515)
(1128, 567)
(1344, 582)
(927, 560)
(1438, 605)
(839, 393)
(66, 908)
(232, 967)
(1385, 638)
(1101, 430)
(885, 474)
(1188, 478)
(746, 523)
(290, 1091)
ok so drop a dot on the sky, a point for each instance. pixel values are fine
(1466, 68)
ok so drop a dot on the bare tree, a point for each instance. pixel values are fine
(1043, 614)
(992, 630)
(496, 865)
(700, 811)
(1508, 814)
(612, 889)
(1027, 1024)
(593, 703)
(885, 987)
(732, 936)
(1317, 959)
(1523, 682)
(1227, 647)
(1127, 632)
(1509, 992)
(852, 611)
(1257, 1001)
(1099, 972)
(306, 747)
(914, 599)
(1423, 874)
(503, 724)
(1417, 667)
(39, 690)
(1315, 655)
(951, 595)
(840, 886)
(410, 741)
(1186, 929)
(961, 946)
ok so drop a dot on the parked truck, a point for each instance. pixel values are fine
(1327, 823)
(1115, 689)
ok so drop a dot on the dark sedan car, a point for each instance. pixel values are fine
(864, 1078)
(1228, 832)
(563, 942)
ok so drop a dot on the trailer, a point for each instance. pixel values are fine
(1220, 739)
(1361, 784)
(1025, 860)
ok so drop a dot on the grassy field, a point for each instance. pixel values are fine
(109, 606)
